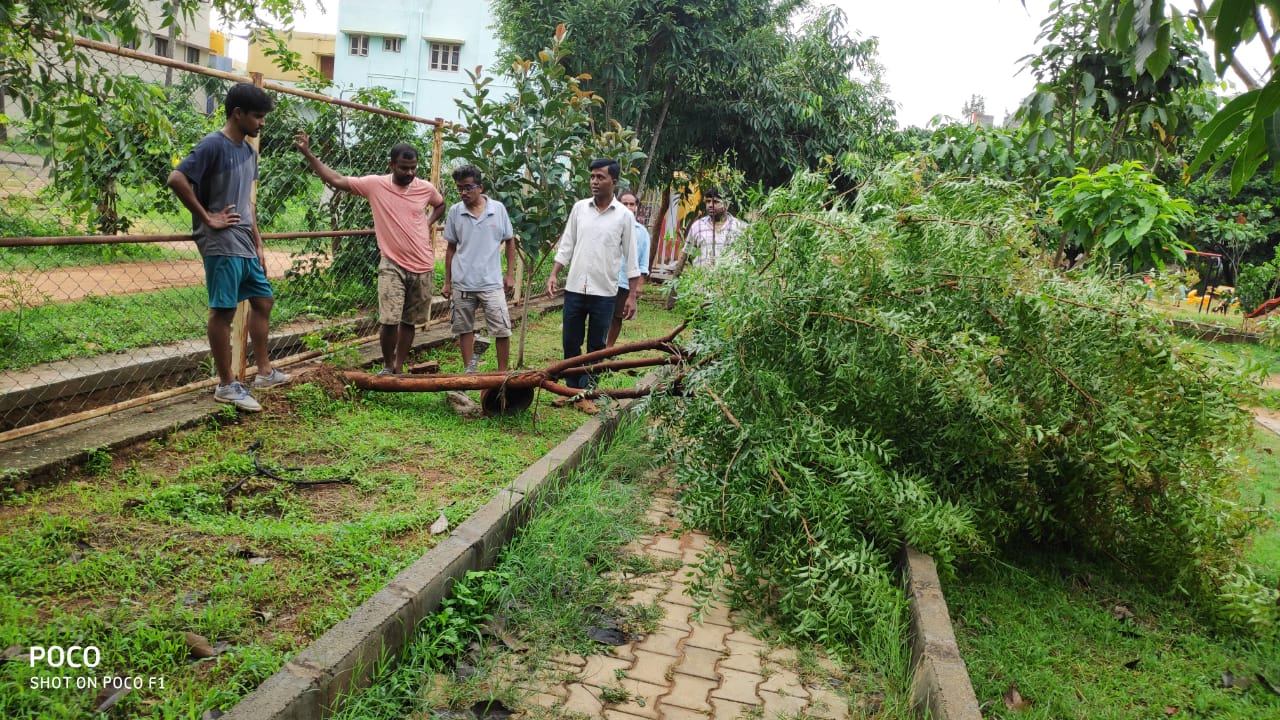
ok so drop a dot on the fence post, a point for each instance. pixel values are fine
(240, 325)
(437, 158)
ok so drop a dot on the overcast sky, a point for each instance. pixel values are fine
(936, 54)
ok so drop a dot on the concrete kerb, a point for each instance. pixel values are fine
(312, 684)
(940, 685)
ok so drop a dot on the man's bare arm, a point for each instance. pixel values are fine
(330, 176)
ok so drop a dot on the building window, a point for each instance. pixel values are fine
(391, 44)
(360, 45)
(193, 55)
(444, 56)
(162, 46)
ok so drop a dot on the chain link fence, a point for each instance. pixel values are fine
(102, 296)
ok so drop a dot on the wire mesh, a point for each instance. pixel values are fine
(102, 295)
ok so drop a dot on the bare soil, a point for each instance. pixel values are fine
(73, 283)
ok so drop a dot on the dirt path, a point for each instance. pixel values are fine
(73, 283)
(65, 285)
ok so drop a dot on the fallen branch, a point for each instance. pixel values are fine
(526, 378)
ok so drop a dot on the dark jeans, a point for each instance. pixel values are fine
(589, 316)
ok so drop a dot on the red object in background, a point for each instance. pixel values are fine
(1264, 308)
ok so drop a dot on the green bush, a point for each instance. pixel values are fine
(1258, 283)
(1121, 212)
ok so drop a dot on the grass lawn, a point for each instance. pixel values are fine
(1079, 639)
(137, 549)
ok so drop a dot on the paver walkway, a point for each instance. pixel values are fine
(689, 670)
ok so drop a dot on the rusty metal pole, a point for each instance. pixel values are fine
(240, 325)
(437, 159)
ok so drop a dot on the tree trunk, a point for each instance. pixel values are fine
(657, 131)
(655, 224)
(525, 277)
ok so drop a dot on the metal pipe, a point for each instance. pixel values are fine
(57, 240)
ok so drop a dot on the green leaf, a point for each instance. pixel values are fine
(1146, 48)
(1222, 124)
(1271, 131)
(1232, 16)
(1158, 62)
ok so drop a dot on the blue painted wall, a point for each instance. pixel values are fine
(425, 92)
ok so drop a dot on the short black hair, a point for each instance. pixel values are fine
(713, 191)
(249, 98)
(468, 171)
(615, 169)
(403, 150)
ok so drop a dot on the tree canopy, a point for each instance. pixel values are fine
(771, 84)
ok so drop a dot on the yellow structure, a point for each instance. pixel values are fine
(315, 50)
(217, 43)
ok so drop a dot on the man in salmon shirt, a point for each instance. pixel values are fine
(403, 228)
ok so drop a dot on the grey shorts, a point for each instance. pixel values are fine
(403, 297)
(496, 317)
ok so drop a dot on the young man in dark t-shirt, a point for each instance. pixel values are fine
(215, 182)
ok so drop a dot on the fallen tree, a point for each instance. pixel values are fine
(912, 370)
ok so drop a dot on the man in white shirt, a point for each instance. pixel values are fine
(597, 239)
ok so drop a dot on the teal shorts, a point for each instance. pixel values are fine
(231, 279)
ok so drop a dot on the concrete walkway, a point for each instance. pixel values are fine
(689, 669)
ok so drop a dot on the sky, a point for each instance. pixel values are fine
(936, 54)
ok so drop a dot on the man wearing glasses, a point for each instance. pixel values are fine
(477, 230)
(403, 228)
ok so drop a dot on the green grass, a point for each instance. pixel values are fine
(99, 324)
(43, 258)
(1080, 639)
(1259, 359)
(134, 549)
(1263, 487)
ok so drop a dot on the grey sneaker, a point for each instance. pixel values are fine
(275, 377)
(235, 394)
(386, 371)
(471, 366)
